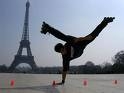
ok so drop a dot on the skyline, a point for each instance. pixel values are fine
(77, 18)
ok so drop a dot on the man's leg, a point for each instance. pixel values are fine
(101, 26)
(48, 29)
(89, 38)
(82, 42)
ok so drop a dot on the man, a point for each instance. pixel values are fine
(74, 46)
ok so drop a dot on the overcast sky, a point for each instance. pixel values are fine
(73, 17)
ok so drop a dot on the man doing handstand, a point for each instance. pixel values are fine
(74, 46)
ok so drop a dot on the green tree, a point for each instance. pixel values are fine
(119, 57)
(118, 66)
(3, 68)
(89, 68)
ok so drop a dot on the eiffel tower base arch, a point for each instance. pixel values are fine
(22, 59)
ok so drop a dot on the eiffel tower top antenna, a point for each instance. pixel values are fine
(25, 35)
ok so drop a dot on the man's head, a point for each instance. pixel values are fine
(58, 47)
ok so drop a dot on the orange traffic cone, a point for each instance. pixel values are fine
(115, 81)
(54, 83)
(85, 82)
(12, 83)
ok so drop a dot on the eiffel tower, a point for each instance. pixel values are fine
(25, 43)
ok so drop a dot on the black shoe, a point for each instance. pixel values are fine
(45, 28)
(108, 19)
